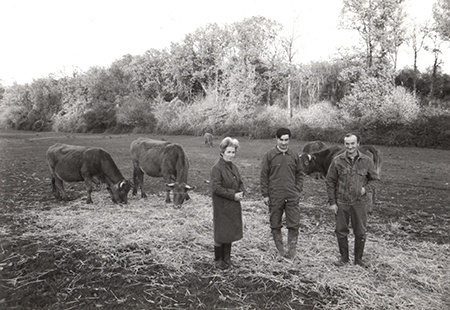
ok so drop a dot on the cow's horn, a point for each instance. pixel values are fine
(309, 157)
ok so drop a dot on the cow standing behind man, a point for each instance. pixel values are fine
(319, 162)
(161, 159)
(72, 163)
(312, 147)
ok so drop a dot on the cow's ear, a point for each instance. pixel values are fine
(188, 187)
(171, 185)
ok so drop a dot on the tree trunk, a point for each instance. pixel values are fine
(289, 97)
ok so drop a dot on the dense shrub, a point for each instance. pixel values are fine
(68, 122)
(101, 117)
(376, 99)
(172, 118)
(134, 115)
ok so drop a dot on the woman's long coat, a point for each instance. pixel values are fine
(227, 213)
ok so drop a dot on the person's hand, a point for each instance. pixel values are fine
(266, 201)
(334, 208)
(239, 196)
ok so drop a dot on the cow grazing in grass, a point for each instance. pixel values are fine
(209, 139)
(312, 147)
(161, 159)
(71, 163)
(321, 161)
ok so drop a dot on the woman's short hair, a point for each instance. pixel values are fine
(226, 142)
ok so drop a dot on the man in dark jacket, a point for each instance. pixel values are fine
(281, 185)
(351, 176)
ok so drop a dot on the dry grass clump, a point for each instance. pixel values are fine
(407, 275)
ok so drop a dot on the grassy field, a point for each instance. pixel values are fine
(147, 255)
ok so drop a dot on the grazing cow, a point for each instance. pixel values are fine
(161, 159)
(209, 139)
(73, 163)
(321, 161)
(312, 147)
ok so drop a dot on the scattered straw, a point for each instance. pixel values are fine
(402, 275)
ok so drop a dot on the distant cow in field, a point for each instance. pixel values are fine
(321, 161)
(312, 147)
(161, 159)
(209, 139)
(71, 163)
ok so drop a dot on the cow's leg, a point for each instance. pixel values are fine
(141, 184)
(167, 180)
(370, 202)
(168, 196)
(135, 177)
(54, 189)
(138, 179)
(88, 184)
(60, 193)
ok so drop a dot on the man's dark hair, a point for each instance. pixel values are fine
(283, 131)
(352, 134)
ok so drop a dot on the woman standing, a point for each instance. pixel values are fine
(227, 191)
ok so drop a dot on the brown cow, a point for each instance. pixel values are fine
(161, 159)
(209, 139)
(72, 163)
(312, 147)
(321, 161)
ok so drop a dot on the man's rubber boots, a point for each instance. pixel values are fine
(343, 249)
(359, 250)
(278, 239)
(292, 243)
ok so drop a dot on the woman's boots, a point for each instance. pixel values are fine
(222, 256)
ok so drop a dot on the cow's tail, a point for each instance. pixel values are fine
(377, 161)
(182, 165)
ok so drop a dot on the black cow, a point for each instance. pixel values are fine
(72, 163)
(161, 159)
(312, 147)
(321, 161)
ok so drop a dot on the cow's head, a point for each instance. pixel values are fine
(308, 162)
(119, 191)
(180, 193)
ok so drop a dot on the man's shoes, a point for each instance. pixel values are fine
(341, 262)
(360, 262)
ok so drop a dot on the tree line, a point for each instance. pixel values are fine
(221, 76)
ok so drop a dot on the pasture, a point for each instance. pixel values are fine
(147, 255)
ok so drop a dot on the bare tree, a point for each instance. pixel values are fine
(416, 36)
(435, 49)
(288, 45)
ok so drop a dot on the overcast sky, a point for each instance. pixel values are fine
(41, 37)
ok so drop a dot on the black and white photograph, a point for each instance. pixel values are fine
(234, 155)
